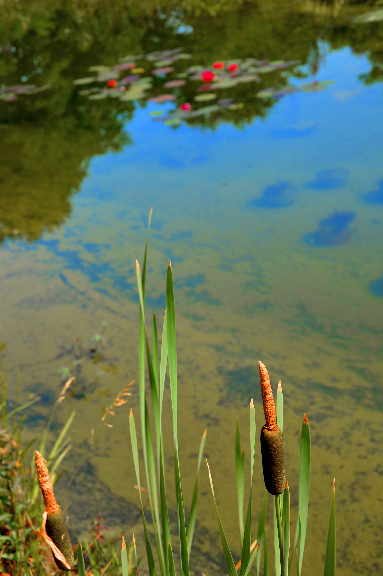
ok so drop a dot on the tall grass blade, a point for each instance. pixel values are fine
(80, 562)
(226, 550)
(172, 348)
(13, 412)
(193, 508)
(133, 440)
(329, 567)
(124, 559)
(261, 531)
(164, 360)
(286, 529)
(58, 444)
(172, 570)
(246, 542)
(280, 407)
(240, 473)
(304, 487)
(164, 511)
(155, 347)
(181, 519)
(253, 556)
(252, 439)
(266, 555)
(277, 544)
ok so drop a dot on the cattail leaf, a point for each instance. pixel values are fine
(193, 508)
(172, 570)
(164, 360)
(246, 542)
(155, 347)
(304, 487)
(277, 543)
(252, 439)
(286, 529)
(266, 554)
(240, 473)
(80, 562)
(172, 348)
(58, 444)
(329, 568)
(261, 530)
(164, 511)
(280, 408)
(253, 556)
(181, 518)
(226, 550)
(124, 559)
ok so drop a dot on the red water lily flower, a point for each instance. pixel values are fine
(218, 65)
(112, 83)
(185, 106)
(232, 67)
(207, 76)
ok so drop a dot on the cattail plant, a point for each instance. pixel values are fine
(273, 457)
(54, 529)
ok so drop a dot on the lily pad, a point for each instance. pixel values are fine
(172, 121)
(124, 66)
(138, 70)
(209, 109)
(205, 97)
(266, 93)
(99, 68)
(164, 70)
(184, 56)
(98, 96)
(226, 83)
(248, 78)
(163, 98)
(174, 83)
(106, 75)
(156, 113)
(264, 69)
(163, 63)
(316, 86)
(86, 80)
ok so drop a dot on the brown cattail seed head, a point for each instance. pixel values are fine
(267, 398)
(273, 460)
(55, 525)
(51, 505)
(57, 531)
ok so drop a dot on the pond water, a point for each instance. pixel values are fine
(266, 183)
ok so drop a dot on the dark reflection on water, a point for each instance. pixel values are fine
(331, 231)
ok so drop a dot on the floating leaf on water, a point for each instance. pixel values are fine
(279, 93)
(316, 86)
(124, 66)
(129, 96)
(87, 80)
(138, 70)
(98, 96)
(145, 80)
(182, 75)
(266, 93)
(163, 98)
(156, 113)
(131, 78)
(236, 106)
(209, 109)
(184, 56)
(174, 83)
(264, 69)
(106, 75)
(163, 63)
(164, 70)
(88, 91)
(195, 68)
(205, 97)
(226, 83)
(172, 122)
(224, 102)
(131, 59)
(374, 16)
(9, 97)
(99, 68)
(277, 62)
(248, 78)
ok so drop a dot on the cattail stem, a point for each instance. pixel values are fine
(280, 532)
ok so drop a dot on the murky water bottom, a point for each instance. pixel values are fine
(247, 289)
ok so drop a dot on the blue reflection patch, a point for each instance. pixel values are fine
(329, 179)
(375, 196)
(273, 196)
(190, 281)
(331, 231)
(376, 287)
